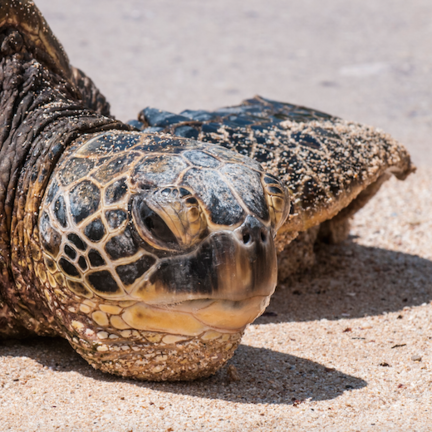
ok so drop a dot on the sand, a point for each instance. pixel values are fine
(344, 347)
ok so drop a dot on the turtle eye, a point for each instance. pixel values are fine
(169, 218)
(156, 226)
(277, 200)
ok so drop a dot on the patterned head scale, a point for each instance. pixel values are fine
(161, 234)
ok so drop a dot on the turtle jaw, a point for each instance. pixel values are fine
(196, 317)
(229, 265)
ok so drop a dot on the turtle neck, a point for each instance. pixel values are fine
(41, 113)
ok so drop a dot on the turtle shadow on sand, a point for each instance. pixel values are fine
(266, 376)
(352, 281)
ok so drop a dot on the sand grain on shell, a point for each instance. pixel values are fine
(346, 347)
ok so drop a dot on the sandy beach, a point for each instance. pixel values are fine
(345, 346)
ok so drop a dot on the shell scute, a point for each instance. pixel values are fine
(69, 268)
(157, 118)
(248, 185)
(129, 273)
(79, 289)
(115, 167)
(108, 144)
(201, 159)
(50, 238)
(103, 282)
(122, 245)
(52, 192)
(116, 191)
(76, 169)
(186, 132)
(59, 210)
(115, 218)
(95, 230)
(77, 241)
(95, 258)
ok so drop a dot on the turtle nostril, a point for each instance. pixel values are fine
(255, 235)
(246, 238)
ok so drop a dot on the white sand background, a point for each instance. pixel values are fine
(348, 346)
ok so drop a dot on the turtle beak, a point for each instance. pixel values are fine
(224, 285)
(247, 262)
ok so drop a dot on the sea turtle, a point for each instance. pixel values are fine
(150, 251)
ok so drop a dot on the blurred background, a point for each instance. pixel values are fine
(363, 60)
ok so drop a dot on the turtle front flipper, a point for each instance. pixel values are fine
(31, 30)
(24, 17)
(330, 167)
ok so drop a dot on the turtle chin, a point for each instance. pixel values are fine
(172, 342)
(157, 356)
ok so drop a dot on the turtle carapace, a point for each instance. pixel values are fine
(329, 166)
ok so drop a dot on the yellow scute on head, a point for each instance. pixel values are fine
(110, 309)
(100, 318)
(143, 317)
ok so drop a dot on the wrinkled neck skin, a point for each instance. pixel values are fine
(40, 115)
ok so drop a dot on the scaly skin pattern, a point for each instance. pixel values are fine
(88, 228)
(151, 253)
(124, 302)
(43, 115)
(39, 100)
(156, 356)
(34, 299)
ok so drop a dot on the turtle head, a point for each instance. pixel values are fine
(158, 240)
